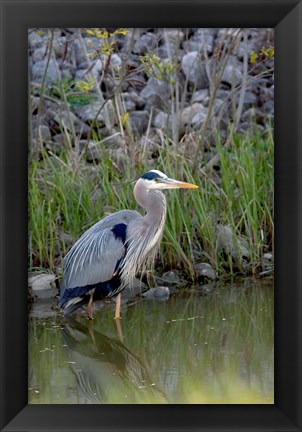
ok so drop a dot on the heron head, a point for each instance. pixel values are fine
(155, 179)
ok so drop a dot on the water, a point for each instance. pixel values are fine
(203, 345)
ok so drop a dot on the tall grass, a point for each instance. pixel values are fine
(67, 195)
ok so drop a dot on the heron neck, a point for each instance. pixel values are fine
(153, 201)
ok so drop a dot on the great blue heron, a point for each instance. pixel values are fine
(106, 258)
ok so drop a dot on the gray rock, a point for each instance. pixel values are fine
(79, 54)
(250, 99)
(201, 41)
(145, 43)
(97, 68)
(139, 121)
(91, 149)
(192, 117)
(41, 281)
(207, 288)
(156, 94)
(160, 121)
(195, 70)
(87, 113)
(231, 243)
(172, 44)
(38, 70)
(43, 285)
(44, 133)
(133, 100)
(158, 293)
(137, 98)
(136, 289)
(232, 74)
(115, 61)
(39, 54)
(268, 256)
(201, 96)
(70, 121)
(170, 278)
(205, 271)
(34, 40)
(252, 115)
(44, 308)
(130, 105)
(80, 75)
(114, 141)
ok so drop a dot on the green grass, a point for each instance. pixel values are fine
(67, 195)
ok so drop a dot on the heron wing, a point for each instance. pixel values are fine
(98, 253)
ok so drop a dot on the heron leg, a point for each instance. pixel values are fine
(119, 330)
(118, 307)
(90, 308)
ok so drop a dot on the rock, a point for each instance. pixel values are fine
(172, 42)
(231, 243)
(200, 96)
(132, 101)
(43, 285)
(170, 278)
(31, 298)
(207, 288)
(145, 43)
(115, 61)
(155, 93)
(201, 41)
(80, 75)
(188, 145)
(97, 68)
(118, 156)
(114, 141)
(44, 133)
(136, 289)
(44, 308)
(87, 113)
(192, 117)
(139, 121)
(160, 121)
(38, 70)
(268, 256)
(252, 115)
(41, 281)
(158, 293)
(205, 271)
(35, 40)
(195, 70)
(250, 99)
(267, 263)
(39, 54)
(92, 150)
(70, 121)
(232, 74)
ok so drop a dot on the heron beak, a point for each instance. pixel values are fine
(176, 184)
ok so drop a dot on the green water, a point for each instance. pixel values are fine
(207, 346)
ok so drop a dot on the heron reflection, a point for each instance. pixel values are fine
(105, 370)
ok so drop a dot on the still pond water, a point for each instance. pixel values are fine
(204, 346)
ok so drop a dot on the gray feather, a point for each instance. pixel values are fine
(94, 257)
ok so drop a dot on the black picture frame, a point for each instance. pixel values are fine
(16, 18)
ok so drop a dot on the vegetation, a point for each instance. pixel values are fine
(67, 196)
